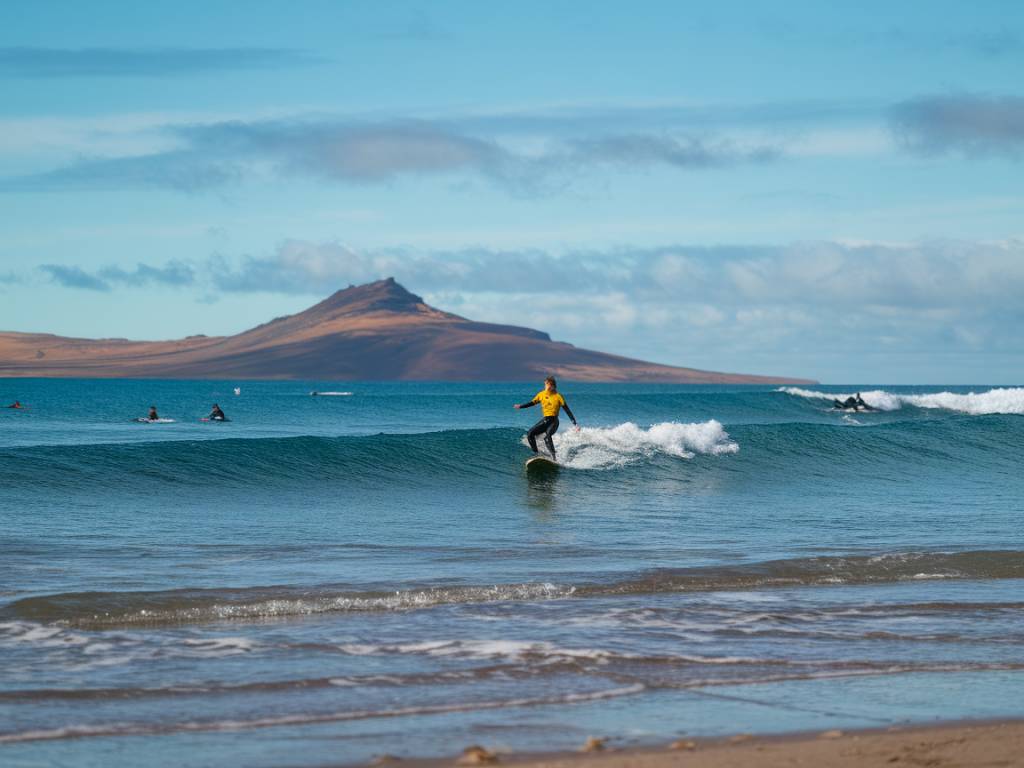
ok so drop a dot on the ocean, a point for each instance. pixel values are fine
(326, 579)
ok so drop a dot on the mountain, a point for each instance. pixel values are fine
(375, 332)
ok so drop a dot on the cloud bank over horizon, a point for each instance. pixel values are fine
(920, 273)
(928, 298)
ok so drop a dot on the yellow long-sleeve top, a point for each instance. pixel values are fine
(550, 403)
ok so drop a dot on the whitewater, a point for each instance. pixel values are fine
(999, 400)
(375, 571)
(623, 444)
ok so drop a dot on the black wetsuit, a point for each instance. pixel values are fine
(217, 415)
(547, 426)
(852, 404)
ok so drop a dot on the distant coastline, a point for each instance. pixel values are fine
(373, 332)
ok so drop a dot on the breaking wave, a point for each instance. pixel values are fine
(604, 447)
(422, 457)
(93, 610)
(1004, 400)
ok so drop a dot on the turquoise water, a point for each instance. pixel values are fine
(323, 579)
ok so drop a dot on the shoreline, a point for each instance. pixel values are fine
(959, 742)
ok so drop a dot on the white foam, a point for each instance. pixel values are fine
(480, 649)
(606, 447)
(1008, 400)
(42, 635)
(1003, 400)
(220, 646)
(524, 650)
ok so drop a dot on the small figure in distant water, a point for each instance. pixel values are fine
(314, 393)
(152, 414)
(15, 404)
(853, 403)
(217, 414)
(550, 402)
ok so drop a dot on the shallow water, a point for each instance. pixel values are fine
(322, 579)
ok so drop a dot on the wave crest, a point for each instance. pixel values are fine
(608, 447)
(1002, 400)
(99, 610)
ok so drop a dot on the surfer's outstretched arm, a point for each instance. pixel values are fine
(527, 405)
(568, 412)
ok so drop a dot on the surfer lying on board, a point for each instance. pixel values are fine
(855, 403)
(15, 404)
(550, 402)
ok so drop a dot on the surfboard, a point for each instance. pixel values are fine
(142, 420)
(541, 464)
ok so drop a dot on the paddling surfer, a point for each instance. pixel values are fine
(852, 403)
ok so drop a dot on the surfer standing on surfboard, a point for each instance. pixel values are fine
(550, 402)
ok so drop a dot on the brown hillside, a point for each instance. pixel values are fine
(375, 332)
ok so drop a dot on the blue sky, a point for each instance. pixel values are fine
(790, 188)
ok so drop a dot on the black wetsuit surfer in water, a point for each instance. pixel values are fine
(550, 402)
(852, 404)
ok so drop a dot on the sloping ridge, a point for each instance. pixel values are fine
(378, 331)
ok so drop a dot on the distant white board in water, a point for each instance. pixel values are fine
(330, 394)
(541, 464)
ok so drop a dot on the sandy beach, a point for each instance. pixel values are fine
(953, 744)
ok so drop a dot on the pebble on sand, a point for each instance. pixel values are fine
(476, 755)
(683, 744)
(594, 744)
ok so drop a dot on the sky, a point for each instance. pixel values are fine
(792, 188)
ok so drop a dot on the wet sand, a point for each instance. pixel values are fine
(958, 744)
